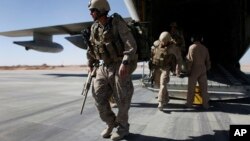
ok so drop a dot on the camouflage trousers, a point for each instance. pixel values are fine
(106, 84)
(161, 80)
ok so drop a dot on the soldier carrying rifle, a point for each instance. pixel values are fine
(113, 45)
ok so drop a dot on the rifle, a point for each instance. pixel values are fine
(86, 86)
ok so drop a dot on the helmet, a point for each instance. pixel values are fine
(165, 37)
(101, 5)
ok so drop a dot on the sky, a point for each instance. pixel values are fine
(25, 14)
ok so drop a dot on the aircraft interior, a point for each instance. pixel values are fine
(223, 24)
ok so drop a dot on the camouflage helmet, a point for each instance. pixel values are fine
(101, 5)
(165, 37)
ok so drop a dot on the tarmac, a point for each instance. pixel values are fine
(44, 105)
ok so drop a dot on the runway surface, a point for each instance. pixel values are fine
(45, 106)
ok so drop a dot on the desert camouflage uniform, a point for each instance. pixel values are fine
(163, 60)
(108, 49)
(198, 64)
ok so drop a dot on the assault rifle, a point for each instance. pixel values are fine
(87, 85)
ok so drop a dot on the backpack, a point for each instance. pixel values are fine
(143, 46)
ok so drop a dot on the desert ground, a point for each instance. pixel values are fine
(244, 68)
(43, 67)
(44, 104)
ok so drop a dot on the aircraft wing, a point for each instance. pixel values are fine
(71, 29)
(42, 37)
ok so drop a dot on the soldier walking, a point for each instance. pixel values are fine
(163, 61)
(113, 45)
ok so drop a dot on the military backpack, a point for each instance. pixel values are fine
(143, 46)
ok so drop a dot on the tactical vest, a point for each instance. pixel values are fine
(164, 57)
(106, 43)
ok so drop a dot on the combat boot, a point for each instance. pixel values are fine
(106, 133)
(121, 132)
(160, 106)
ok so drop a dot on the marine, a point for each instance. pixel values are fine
(113, 48)
(164, 56)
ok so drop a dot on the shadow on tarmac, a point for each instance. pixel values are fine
(134, 76)
(217, 136)
(237, 106)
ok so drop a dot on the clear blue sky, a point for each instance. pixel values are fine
(24, 14)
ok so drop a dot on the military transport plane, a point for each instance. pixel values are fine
(225, 26)
(42, 37)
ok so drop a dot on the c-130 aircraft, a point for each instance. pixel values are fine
(225, 26)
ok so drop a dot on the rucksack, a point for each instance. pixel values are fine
(143, 46)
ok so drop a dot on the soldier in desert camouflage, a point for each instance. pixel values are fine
(163, 61)
(113, 45)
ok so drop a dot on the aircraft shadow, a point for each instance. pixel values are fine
(238, 106)
(214, 107)
(217, 75)
(144, 105)
(217, 136)
(134, 76)
(67, 75)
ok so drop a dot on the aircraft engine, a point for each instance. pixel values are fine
(42, 46)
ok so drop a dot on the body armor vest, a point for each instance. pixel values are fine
(106, 43)
(163, 57)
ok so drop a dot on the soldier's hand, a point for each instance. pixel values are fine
(123, 71)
